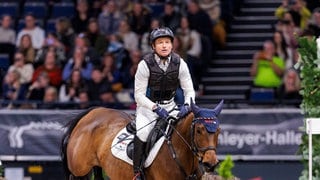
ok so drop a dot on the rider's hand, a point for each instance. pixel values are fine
(184, 110)
(162, 113)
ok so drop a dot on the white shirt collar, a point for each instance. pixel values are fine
(158, 60)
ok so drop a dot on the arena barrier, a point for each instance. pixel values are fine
(246, 134)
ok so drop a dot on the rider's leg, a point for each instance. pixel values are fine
(138, 158)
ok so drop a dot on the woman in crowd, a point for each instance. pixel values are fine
(26, 47)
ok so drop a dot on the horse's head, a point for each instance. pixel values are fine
(205, 132)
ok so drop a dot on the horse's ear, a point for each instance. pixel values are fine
(218, 108)
(195, 109)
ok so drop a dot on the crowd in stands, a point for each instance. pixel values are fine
(274, 67)
(90, 58)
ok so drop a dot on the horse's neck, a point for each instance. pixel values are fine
(181, 141)
(184, 127)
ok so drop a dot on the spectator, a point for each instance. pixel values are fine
(78, 61)
(7, 36)
(25, 70)
(213, 9)
(96, 8)
(37, 33)
(125, 6)
(289, 89)
(289, 30)
(51, 43)
(69, 90)
(170, 17)
(129, 38)
(281, 48)
(81, 17)
(109, 18)
(191, 41)
(100, 89)
(191, 50)
(298, 10)
(199, 20)
(81, 41)
(267, 68)
(128, 75)
(111, 73)
(27, 48)
(145, 41)
(84, 101)
(65, 33)
(11, 89)
(139, 18)
(178, 46)
(51, 67)
(120, 54)
(37, 88)
(314, 24)
(50, 99)
(96, 39)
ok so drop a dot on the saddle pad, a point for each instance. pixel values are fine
(121, 142)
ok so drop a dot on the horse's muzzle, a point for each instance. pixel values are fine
(208, 167)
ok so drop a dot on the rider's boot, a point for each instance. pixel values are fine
(138, 158)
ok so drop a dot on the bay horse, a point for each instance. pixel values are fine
(86, 146)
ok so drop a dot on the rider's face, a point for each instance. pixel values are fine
(163, 46)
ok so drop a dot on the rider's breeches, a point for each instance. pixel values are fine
(145, 120)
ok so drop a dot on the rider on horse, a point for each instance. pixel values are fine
(158, 76)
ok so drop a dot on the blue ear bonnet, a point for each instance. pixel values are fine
(208, 118)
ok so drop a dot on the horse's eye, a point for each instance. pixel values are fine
(199, 131)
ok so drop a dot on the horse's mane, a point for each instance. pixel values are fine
(65, 139)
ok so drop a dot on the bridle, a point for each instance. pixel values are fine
(195, 149)
(194, 144)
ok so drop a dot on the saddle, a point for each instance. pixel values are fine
(162, 128)
(122, 144)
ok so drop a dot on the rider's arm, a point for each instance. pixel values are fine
(186, 82)
(140, 86)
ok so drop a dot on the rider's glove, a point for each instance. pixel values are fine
(162, 113)
(184, 110)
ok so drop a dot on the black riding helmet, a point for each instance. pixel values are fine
(161, 32)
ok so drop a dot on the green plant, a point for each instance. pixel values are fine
(310, 91)
(225, 168)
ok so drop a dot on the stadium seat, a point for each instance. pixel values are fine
(262, 95)
(51, 25)
(38, 9)
(156, 9)
(4, 62)
(63, 9)
(10, 8)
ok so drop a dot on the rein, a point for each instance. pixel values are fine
(175, 157)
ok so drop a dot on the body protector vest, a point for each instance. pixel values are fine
(162, 84)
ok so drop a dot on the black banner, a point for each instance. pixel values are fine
(245, 132)
(260, 132)
(32, 133)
